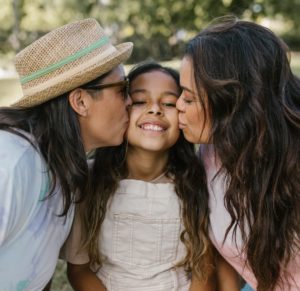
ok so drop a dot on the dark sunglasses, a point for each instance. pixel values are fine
(124, 84)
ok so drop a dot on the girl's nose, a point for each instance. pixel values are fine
(155, 109)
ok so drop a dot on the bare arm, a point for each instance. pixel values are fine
(209, 285)
(228, 278)
(82, 278)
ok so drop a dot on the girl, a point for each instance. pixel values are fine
(240, 96)
(149, 210)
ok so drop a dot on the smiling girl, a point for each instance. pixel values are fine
(144, 226)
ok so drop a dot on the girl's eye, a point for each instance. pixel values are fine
(169, 104)
(169, 101)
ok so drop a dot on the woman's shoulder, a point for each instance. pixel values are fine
(14, 146)
(18, 138)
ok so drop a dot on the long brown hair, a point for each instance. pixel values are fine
(254, 103)
(190, 185)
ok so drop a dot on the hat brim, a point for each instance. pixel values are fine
(74, 78)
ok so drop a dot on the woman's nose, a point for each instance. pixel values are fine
(180, 103)
(128, 101)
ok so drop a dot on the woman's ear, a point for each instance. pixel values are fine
(79, 101)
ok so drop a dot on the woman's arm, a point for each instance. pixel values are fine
(228, 278)
(82, 278)
(209, 285)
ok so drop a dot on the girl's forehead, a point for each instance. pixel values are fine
(152, 74)
(154, 78)
(155, 83)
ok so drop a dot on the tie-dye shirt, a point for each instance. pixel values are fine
(31, 232)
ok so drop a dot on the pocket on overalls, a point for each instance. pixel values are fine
(143, 241)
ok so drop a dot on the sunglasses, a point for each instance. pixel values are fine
(123, 84)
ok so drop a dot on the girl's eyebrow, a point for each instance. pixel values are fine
(146, 91)
(170, 93)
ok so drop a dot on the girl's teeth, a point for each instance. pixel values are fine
(152, 127)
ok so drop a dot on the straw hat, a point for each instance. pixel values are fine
(65, 59)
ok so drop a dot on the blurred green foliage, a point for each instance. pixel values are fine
(158, 28)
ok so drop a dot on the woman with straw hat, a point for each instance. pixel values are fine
(74, 101)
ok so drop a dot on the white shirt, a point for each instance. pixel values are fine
(140, 239)
(31, 232)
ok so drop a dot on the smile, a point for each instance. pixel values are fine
(152, 127)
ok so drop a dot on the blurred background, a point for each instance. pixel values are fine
(159, 30)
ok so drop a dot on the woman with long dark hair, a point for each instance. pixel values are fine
(74, 101)
(241, 101)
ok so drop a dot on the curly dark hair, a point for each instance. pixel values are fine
(254, 105)
(190, 184)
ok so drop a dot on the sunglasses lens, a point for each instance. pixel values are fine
(123, 85)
